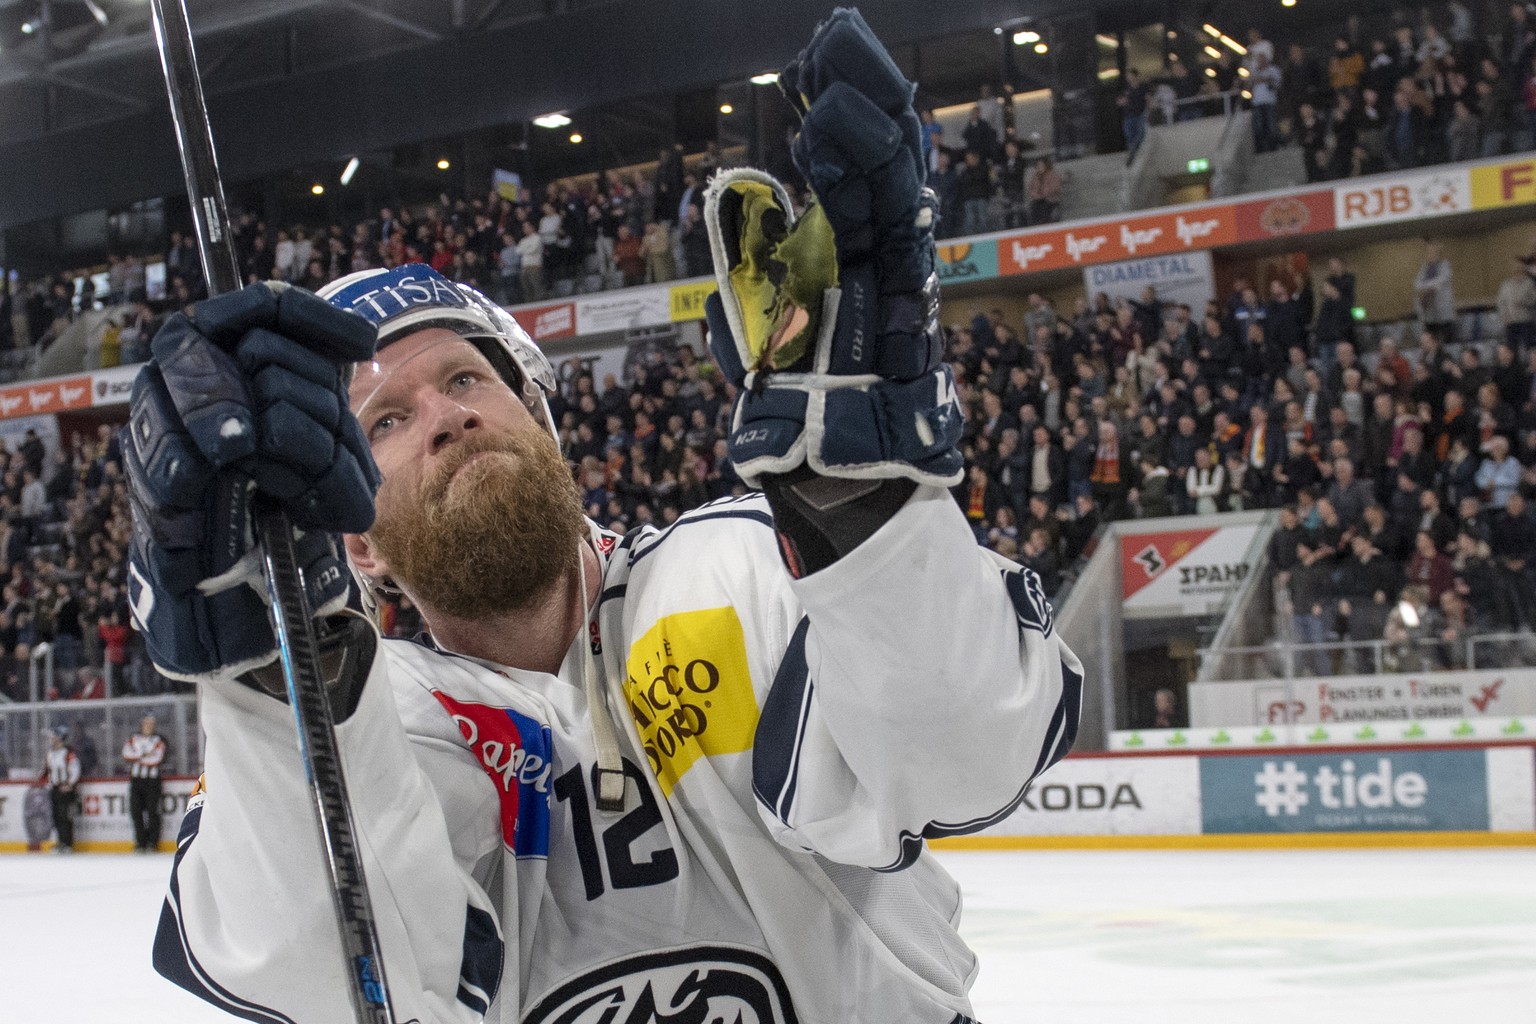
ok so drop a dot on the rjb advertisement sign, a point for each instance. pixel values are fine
(1397, 791)
(1384, 200)
(1183, 572)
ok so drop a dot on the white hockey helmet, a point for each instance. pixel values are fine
(413, 297)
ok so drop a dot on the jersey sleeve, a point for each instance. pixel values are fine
(249, 923)
(921, 692)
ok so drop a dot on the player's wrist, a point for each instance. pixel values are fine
(821, 519)
(347, 643)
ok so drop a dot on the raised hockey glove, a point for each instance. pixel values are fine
(829, 325)
(243, 399)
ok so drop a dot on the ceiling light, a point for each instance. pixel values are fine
(348, 171)
(1242, 72)
(442, 164)
(1104, 40)
(998, 30)
(555, 120)
(1287, 3)
(576, 138)
(766, 78)
(1026, 37)
(1213, 53)
(726, 108)
(1210, 72)
(317, 188)
(28, 27)
(1041, 48)
(1234, 45)
(1212, 31)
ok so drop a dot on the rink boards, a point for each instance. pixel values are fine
(1376, 795)
(1342, 796)
(102, 825)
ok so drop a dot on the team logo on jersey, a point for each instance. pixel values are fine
(690, 692)
(517, 753)
(700, 985)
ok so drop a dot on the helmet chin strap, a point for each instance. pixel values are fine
(610, 765)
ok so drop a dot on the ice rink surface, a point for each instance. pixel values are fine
(1065, 937)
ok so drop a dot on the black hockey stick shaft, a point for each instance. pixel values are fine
(292, 617)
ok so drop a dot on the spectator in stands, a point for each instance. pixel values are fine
(945, 182)
(1346, 66)
(656, 248)
(1264, 81)
(975, 193)
(932, 137)
(1499, 476)
(695, 243)
(980, 136)
(1011, 174)
(1311, 133)
(530, 249)
(1133, 110)
(627, 257)
(1435, 299)
(1517, 305)
(1205, 482)
(1044, 192)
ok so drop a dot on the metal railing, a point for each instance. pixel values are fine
(1230, 102)
(97, 730)
(1282, 660)
(40, 681)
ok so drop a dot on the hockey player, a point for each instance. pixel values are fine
(676, 775)
(144, 752)
(63, 777)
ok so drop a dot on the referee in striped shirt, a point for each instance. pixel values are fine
(144, 751)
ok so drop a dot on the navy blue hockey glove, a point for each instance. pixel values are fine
(243, 398)
(829, 324)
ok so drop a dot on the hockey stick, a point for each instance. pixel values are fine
(292, 622)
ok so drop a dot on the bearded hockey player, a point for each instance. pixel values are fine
(679, 775)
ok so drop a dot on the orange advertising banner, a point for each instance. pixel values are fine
(1153, 235)
(60, 394)
(1304, 213)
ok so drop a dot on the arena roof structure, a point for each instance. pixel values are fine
(83, 120)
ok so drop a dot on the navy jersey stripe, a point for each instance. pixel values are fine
(480, 970)
(1059, 737)
(724, 508)
(781, 728)
(173, 956)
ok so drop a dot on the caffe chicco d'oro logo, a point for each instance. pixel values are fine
(689, 691)
(701, 983)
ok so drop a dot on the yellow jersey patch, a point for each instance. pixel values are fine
(689, 691)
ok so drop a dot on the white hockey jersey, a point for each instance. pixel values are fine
(789, 746)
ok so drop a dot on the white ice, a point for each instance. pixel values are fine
(1065, 937)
